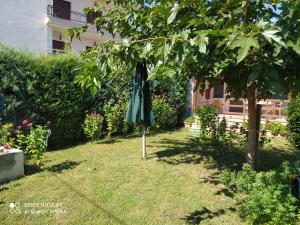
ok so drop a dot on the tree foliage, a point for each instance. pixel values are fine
(202, 38)
(252, 45)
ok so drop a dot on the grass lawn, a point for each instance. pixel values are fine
(109, 183)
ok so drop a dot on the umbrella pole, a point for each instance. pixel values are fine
(144, 143)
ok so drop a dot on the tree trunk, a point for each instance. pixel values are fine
(252, 127)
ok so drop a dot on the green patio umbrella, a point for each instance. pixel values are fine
(140, 104)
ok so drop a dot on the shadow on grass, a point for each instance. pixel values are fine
(92, 201)
(273, 157)
(61, 167)
(193, 151)
(31, 169)
(111, 140)
(225, 191)
(218, 156)
(198, 216)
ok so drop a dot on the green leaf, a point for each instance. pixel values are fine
(271, 34)
(93, 90)
(174, 11)
(166, 52)
(202, 42)
(295, 46)
(244, 43)
(185, 34)
(147, 49)
(253, 75)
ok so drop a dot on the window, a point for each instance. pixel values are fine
(58, 46)
(219, 90)
(87, 48)
(238, 106)
(62, 9)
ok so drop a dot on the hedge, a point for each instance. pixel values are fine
(294, 121)
(41, 88)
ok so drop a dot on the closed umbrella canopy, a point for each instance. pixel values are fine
(140, 104)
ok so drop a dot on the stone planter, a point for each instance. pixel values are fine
(11, 164)
(188, 125)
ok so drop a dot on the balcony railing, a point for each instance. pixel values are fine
(65, 14)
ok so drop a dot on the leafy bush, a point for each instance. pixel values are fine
(221, 129)
(232, 137)
(190, 119)
(264, 198)
(276, 128)
(294, 121)
(32, 140)
(115, 114)
(165, 115)
(93, 125)
(208, 118)
(42, 88)
(172, 88)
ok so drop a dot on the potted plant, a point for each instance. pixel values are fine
(189, 121)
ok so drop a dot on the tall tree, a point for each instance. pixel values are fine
(253, 45)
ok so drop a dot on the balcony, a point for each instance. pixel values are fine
(63, 17)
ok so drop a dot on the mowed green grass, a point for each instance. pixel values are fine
(109, 183)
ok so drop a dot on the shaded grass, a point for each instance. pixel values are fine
(109, 183)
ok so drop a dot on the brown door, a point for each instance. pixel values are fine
(62, 9)
(219, 90)
(207, 94)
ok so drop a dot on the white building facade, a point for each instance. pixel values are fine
(40, 25)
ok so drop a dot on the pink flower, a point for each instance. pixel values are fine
(29, 125)
(24, 122)
(6, 146)
(19, 127)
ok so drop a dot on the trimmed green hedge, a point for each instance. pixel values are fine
(41, 89)
(294, 121)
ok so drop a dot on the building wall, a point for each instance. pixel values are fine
(79, 5)
(77, 45)
(23, 24)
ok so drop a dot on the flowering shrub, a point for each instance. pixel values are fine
(6, 132)
(115, 114)
(93, 125)
(32, 140)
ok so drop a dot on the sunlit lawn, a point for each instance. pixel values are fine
(109, 183)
